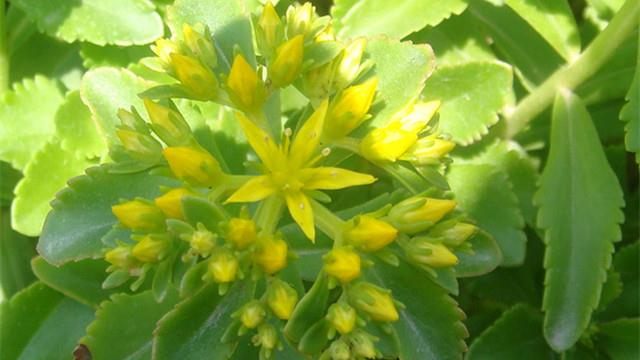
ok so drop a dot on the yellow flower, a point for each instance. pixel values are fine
(370, 234)
(151, 248)
(223, 267)
(168, 123)
(343, 264)
(422, 251)
(241, 232)
(281, 298)
(194, 165)
(139, 215)
(374, 301)
(349, 109)
(271, 254)
(171, 202)
(252, 314)
(290, 172)
(288, 62)
(199, 80)
(246, 89)
(342, 317)
(419, 213)
(121, 257)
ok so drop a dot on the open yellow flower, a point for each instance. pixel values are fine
(289, 169)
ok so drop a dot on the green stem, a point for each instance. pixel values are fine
(4, 53)
(328, 222)
(572, 75)
(268, 214)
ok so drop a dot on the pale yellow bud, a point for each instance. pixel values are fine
(199, 80)
(370, 234)
(252, 314)
(457, 234)
(151, 248)
(281, 298)
(362, 345)
(193, 164)
(163, 48)
(241, 232)
(270, 30)
(287, 62)
(267, 337)
(200, 46)
(349, 109)
(377, 303)
(202, 241)
(419, 213)
(246, 88)
(428, 151)
(120, 257)
(144, 146)
(171, 203)
(223, 267)
(349, 64)
(386, 144)
(343, 264)
(342, 317)
(170, 126)
(139, 215)
(270, 254)
(422, 251)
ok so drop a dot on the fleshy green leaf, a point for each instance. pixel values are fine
(82, 214)
(579, 198)
(226, 19)
(27, 119)
(517, 334)
(631, 113)
(194, 328)
(124, 326)
(402, 69)
(554, 20)
(15, 252)
(485, 258)
(619, 338)
(626, 261)
(41, 323)
(486, 195)
(393, 18)
(105, 90)
(119, 22)
(111, 55)
(78, 134)
(81, 280)
(472, 94)
(430, 327)
(10, 178)
(46, 174)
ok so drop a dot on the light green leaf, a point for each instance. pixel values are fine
(430, 328)
(76, 130)
(226, 19)
(579, 198)
(94, 56)
(193, 329)
(472, 94)
(619, 338)
(393, 18)
(124, 326)
(631, 113)
(402, 69)
(82, 214)
(40, 323)
(26, 119)
(104, 91)
(554, 20)
(606, 8)
(81, 280)
(46, 174)
(119, 22)
(485, 194)
(15, 252)
(517, 334)
(485, 258)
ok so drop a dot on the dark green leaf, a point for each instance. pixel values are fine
(485, 258)
(631, 113)
(112, 55)
(10, 178)
(16, 250)
(619, 338)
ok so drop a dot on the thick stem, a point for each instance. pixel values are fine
(268, 214)
(574, 74)
(328, 222)
(4, 52)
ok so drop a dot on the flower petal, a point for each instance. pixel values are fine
(255, 189)
(260, 140)
(300, 210)
(308, 137)
(330, 178)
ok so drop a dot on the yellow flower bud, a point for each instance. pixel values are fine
(428, 151)
(196, 78)
(170, 126)
(163, 48)
(151, 248)
(270, 30)
(419, 116)
(171, 203)
(374, 301)
(270, 254)
(457, 234)
(348, 110)
(362, 345)
(386, 144)
(193, 164)
(370, 234)
(223, 267)
(316, 83)
(252, 314)
(349, 64)
(419, 213)
(342, 317)
(200, 46)
(343, 264)
(202, 241)
(288, 62)
(246, 88)
(241, 232)
(338, 350)
(267, 337)
(121, 257)
(422, 251)
(299, 19)
(143, 146)
(139, 215)
(281, 298)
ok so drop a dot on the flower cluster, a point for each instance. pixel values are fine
(209, 220)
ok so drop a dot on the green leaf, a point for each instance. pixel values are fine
(485, 258)
(78, 134)
(619, 338)
(81, 213)
(626, 261)
(472, 94)
(554, 20)
(15, 252)
(611, 289)
(94, 56)
(194, 328)
(105, 90)
(10, 178)
(393, 18)
(486, 195)
(40, 323)
(124, 326)
(119, 22)
(579, 198)
(430, 327)
(79, 280)
(27, 119)
(631, 113)
(226, 19)
(402, 69)
(517, 334)
(46, 174)
(532, 57)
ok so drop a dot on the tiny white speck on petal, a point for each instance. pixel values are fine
(301, 205)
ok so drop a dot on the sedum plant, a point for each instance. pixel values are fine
(241, 179)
